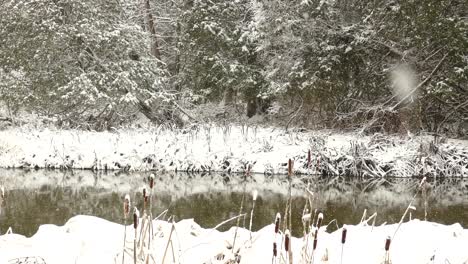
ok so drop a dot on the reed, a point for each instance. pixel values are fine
(275, 252)
(287, 246)
(126, 210)
(289, 213)
(277, 227)
(319, 224)
(169, 241)
(387, 250)
(343, 241)
(136, 216)
(287, 240)
(424, 194)
(247, 173)
(409, 206)
(151, 185)
(254, 199)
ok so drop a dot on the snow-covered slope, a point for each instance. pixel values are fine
(232, 149)
(87, 239)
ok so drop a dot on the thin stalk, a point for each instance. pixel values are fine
(125, 237)
(240, 213)
(168, 241)
(409, 206)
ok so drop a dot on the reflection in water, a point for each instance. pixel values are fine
(27, 205)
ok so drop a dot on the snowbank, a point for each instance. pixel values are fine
(231, 149)
(87, 239)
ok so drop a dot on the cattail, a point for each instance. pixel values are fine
(309, 158)
(136, 216)
(343, 240)
(126, 205)
(254, 195)
(387, 243)
(145, 195)
(287, 242)
(151, 180)
(319, 220)
(277, 222)
(290, 167)
(343, 235)
(275, 250)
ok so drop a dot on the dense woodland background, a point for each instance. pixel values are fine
(378, 66)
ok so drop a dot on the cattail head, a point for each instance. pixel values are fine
(387, 243)
(319, 220)
(290, 167)
(343, 235)
(151, 180)
(126, 205)
(254, 195)
(275, 250)
(136, 216)
(145, 195)
(309, 158)
(287, 240)
(277, 222)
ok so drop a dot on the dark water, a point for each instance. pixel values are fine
(40, 197)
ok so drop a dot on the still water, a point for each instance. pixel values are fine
(40, 197)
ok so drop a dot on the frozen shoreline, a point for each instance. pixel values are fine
(231, 149)
(87, 239)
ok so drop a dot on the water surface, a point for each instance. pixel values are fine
(52, 197)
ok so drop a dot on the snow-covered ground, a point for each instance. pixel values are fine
(87, 239)
(232, 149)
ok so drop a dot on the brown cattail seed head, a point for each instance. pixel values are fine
(287, 241)
(277, 222)
(290, 167)
(387, 243)
(275, 250)
(319, 220)
(309, 158)
(136, 216)
(126, 205)
(145, 195)
(151, 181)
(343, 235)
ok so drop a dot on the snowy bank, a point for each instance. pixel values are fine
(87, 239)
(232, 149)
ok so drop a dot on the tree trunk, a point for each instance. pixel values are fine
(228, 97)
(152, 29)
(251, 107)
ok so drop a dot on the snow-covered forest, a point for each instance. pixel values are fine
(113, 112)
(380, 66)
